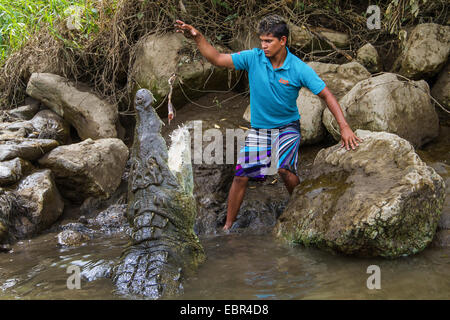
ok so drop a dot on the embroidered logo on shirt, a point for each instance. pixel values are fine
(283, 81)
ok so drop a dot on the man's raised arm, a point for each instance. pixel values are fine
(206, 49)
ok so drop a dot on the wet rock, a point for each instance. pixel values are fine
(385, 103)
(158, 57)
(25, 148)
(425, 52)
(368, 56)
(91, 116)
(91, 168)
(441, 89)
(78, 227)
(71, 238)
(41, 199)
(379, 200)
(112, 220)
(13, 170)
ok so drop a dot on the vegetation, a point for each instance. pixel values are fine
(35, 37)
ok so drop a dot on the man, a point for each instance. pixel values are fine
(275, 78)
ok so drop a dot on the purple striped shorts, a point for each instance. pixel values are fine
(267, 150)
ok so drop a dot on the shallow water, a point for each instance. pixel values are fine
(240, 266)
(237, 267)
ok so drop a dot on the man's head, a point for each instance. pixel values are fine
(273, 32)
(275, 25)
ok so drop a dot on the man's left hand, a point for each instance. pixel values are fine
(349, 138)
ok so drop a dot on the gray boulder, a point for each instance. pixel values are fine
(379, 200)
(158, 57)
(91, 116)
(89, 168)
(425, 52)
(385, 103)
(42, 201)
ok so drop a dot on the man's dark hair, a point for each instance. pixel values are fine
(273, 24)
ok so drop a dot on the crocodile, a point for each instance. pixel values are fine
(163, 249)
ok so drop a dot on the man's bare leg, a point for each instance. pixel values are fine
(290, 179)
(235, 197)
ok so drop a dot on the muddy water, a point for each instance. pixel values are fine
(242, 266)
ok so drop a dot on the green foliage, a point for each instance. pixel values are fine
(19, 19)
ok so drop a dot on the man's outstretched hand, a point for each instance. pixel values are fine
(186, 29)
(349, 138)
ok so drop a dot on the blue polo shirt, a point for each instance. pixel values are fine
(274, 92)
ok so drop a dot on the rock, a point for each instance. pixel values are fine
(24, 112)
(368, 56)
(441, 89)
(112, 220)
(17, 129)
(70, 238)
(425, 52)
(41, 199)
(158, 57)
(339, 79)
(91, 116)
(379, 200)
(48, 125)
(442, 239)
(13, 170)
(89, 168)
(384, 103)
(339, 39)
(25, 148)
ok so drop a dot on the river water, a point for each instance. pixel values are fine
(240, 266)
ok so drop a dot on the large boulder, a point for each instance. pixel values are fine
(159, 57)
(425, 52)
(91, 168)
(42, 201)
(379, 200)
(441, 89)
(385, 103)
(91, 116)
(339, 79)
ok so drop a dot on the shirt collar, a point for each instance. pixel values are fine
(286, 63)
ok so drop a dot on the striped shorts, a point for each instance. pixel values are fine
(267, 150)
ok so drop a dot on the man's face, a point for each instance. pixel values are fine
(272, 45)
